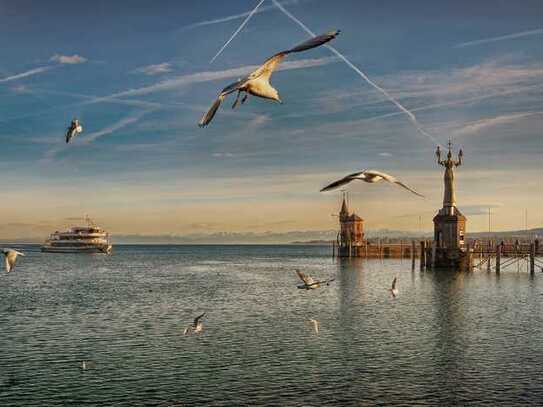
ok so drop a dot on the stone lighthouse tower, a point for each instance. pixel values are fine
(449, 223)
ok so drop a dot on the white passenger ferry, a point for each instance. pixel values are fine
(79, 239)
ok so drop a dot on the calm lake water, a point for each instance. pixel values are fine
(448, 339)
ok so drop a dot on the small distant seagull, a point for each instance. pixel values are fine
(257, 83)
(196, 326)
(393, 290)
(314, 324)
(74, 129)
(371, 176)
(309, 283)
(87, 364)
(11, 258)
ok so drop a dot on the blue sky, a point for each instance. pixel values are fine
(138, 76)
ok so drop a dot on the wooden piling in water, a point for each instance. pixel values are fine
(422, 255)
(532, 258)
(413, 248)
(498, 258)
(433, 255)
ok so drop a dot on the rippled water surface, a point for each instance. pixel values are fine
(447, 339)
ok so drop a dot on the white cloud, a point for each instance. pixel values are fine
(435, 89)
(483, 124)
(221, 155)
(207, 76)
(500, 38)
(114, 127)
(155, 69)
(68, 59)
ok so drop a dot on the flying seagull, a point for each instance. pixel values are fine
(196, 326)
(74, 129)
(11, 258)
(393, 290)
(371, 176)
(309, 283)
(257, 83)
(314, 324)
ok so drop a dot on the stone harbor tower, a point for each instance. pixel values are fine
(448, 249)
(351, 234)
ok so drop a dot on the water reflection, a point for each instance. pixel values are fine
(448, 339)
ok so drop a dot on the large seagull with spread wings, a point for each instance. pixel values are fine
(370, 176)
(257, 83)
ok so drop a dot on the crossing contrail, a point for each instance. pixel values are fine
(237, 31)
(409, 114)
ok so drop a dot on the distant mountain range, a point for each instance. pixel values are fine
(292, 237)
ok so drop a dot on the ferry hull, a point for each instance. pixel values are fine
(99, 250)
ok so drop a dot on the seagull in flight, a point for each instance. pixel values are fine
(370, 176)
(314, 324)
(196, 326)
(257, 83)
(74, 129)
(393, 290)
(11, 258)
(309, 283)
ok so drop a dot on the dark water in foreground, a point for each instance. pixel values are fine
(448, 338)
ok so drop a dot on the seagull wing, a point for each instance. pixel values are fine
(208, 116)
(409, 189)
(8, 266)
(306, 279)
(267, 68)
(70, 134)
(394, 283)
(338, 183)
(393, 180)
(315, 324)
(198, 319)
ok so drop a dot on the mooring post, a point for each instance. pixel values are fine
(532, 258)
(433, 255)
(498, 258)
(413, 248)
(422, 255)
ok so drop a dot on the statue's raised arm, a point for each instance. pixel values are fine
(460, 157)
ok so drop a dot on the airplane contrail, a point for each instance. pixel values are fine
(409, 114)
(237, 31)
(27, 73)
(521, 34)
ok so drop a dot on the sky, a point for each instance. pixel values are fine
(138, 76)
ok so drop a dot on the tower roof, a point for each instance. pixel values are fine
(344, 209)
